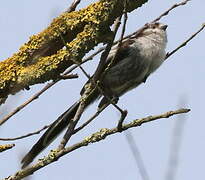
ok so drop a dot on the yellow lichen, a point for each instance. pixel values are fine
(42, 57)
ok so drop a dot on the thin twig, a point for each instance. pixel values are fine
(91, 119)
(105, 54)
(137, 155)
(100, 68)
(24, 136)
(68, 76)
(96, 137)
(36, 96)
(73, 6)
(70, 130)
(72, 125)
(49, 85)
(124, 112)
(80, 110)
(170, 9)
(158, 18)
(185, 42)
(102, 62)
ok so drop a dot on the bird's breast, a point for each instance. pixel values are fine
(144, 57)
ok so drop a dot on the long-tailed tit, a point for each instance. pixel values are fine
(137, 58)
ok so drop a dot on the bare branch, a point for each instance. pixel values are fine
(90, 120)
(170, 9)
(73, 5)
(24, 136)
(185, 42)
(54, 155)
(36, 96)
(105, 54)
(71, 125)
(123, 112)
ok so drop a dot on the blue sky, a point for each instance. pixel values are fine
(180, 78)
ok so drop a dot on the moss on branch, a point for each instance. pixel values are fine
(42, 57)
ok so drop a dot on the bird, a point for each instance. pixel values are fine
(138, 56)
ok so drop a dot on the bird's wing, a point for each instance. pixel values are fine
(122, 53)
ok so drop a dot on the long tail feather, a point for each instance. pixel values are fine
(53, 131)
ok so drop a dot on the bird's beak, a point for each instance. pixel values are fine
(164, 27)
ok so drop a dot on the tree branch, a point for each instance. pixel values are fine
(185, 42)
(42, 58)
(170, 9)
(54, 155)
(24, 136)
(73, 5)
(6, 147)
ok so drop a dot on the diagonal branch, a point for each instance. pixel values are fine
(170, 9)
(185, 42)
(54, 155)
(43, 57)
(73, 5)
(72, 125)
(36, 96)
(90, 119)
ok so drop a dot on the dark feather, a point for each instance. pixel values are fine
(52, 132)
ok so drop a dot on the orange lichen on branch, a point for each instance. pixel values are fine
(42, 57)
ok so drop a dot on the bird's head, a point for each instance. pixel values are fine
(154, 29)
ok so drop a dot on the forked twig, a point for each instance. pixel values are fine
(90, 119)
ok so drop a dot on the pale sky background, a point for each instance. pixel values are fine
(179, 78)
